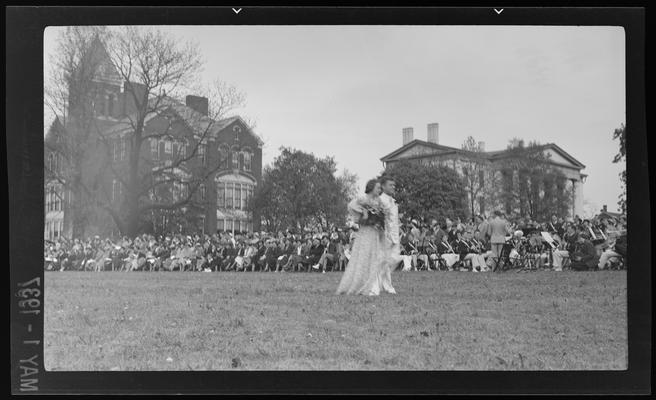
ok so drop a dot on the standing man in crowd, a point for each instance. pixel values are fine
(498, 230)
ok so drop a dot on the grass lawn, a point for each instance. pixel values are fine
(293, 321)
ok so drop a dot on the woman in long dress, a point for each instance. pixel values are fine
(362, 274)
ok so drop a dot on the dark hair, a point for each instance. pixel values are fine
(498, 213)
(371, 184)
(384, 179)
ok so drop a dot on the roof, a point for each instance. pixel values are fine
(422, 143)
(491, 155)
(609, 214)
(507, 153)
(55, 127)
(196, 121)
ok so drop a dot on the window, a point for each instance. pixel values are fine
(175, 149)
(119, 150)
(230, 194)
(244, 196)
(481, 178)
(116, 190)
(183, 150)
(202, 224)
(110, 105)
(238, 197)
(106, 105)
(55, 162)
(229, 225)
(235, 159)
(167, 146)
(179, 191)
(100, 105)
(56, 200)
(247, 161)
(201, 191)
(154, 149)
(220, 195)
(223, 157)
(220, 225)
(202, 154)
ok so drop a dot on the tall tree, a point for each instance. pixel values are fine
(428, 191)
(474, 171)
(530, 183)
(620, 157)
(300, 190)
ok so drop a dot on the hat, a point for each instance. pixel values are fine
(519, 233)
(414, 221)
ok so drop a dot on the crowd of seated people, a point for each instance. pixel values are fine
(478, 245)
(496, 243)
(284, 251)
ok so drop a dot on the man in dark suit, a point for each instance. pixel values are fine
(554, 226)
(316, 251)
(585, 257)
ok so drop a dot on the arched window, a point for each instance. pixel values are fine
(223, 156)
(234, 152)
(247, 160)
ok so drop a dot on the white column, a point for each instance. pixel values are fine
(578, 198)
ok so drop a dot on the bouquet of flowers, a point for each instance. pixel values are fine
(375, 216)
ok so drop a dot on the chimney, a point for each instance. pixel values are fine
(407, 135)
(481, 146)
(433, 133)
(198, 103)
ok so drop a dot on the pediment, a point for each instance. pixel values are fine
(418, 149)
(556, 155)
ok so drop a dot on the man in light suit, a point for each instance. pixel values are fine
(498, 229)
(391, 232)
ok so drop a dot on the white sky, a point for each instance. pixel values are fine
(347, 91)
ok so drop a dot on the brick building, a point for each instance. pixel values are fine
(222, 157)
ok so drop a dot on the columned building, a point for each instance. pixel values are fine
(430, 152)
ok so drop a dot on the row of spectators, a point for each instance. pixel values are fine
(426, 244)
(580, 244)
(284, 251)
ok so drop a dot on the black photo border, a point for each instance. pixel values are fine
(24, 139)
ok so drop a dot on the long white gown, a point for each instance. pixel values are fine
(363, 271)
